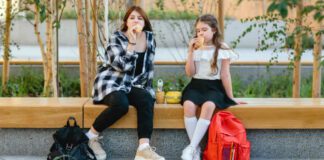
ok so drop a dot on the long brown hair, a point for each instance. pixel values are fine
(212, 22)
(147, 24)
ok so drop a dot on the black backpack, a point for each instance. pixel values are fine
(70, 143)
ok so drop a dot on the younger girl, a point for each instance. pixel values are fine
(208, 64)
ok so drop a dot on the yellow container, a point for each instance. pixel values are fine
(173, 97)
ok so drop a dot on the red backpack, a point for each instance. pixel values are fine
(226, 139)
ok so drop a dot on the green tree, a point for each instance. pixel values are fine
(278, 39)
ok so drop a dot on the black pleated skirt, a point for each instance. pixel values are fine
(200, 91)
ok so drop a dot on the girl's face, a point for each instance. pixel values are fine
(135, 18)
(205, 31)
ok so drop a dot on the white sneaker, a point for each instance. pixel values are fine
(148, 153)
(97, 149)
(188, 153)
(197, 154)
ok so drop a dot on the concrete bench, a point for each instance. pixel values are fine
(278, 128)
(259, 113)
(39, 112)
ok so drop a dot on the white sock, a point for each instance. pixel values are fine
(201, 129)
(91, 135)
(190, 124)
(143, 146)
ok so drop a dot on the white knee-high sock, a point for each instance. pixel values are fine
(201, 129)
(190, 124)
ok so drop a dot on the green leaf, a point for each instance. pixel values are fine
(319, 32)
(42, 13)
(318, 16)
(239, 2)
(319, 2)
(273, 6)
(294, 3)
(56, 24)
(283, 10)
(37, 2)
(308, 9)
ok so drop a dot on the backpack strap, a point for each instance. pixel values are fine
(91, 152)
(75, 124)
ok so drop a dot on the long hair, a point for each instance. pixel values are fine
(147, 24)
(212, 22)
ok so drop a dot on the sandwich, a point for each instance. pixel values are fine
(138, 28)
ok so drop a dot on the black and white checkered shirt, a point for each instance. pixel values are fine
(118, 69)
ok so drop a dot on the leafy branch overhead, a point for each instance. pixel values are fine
(41, 7)
(275, 26)
(283, 6)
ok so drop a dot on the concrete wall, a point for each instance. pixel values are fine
(122, 143)
(169, 33)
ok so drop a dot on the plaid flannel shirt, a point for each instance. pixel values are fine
(118, 69)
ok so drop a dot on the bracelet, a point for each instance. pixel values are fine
(132, 43)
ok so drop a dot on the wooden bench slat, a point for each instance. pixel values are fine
(283, 118)
(39, 112)
(259, 113)
(165, 116)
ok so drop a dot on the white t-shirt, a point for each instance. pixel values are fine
(203, 59)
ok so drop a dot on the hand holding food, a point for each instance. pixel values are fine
(138, 28)
(199, 43)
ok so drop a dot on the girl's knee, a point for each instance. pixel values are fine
(189, 109)
(122, 109)
(208, 106)
(147, 102)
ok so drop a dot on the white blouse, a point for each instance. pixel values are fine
(203, 60)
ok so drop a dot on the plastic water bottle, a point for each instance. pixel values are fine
(160, 85)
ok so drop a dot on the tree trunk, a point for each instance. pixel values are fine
(55, 48)
(43, 52)
(89, 45)
(221, 17)
(200, 7)
(93, 57)
(137, 2)
(297, 53)
(49, 50)
(106, 23)
(129, 3)
(6, 47)
(316, 88)
(82, 41)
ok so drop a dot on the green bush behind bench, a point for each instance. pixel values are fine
(31, 84)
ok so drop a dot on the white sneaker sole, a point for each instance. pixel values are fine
(141, 158)
(101, 158)
(186, 158)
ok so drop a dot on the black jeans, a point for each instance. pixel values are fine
(119, 101)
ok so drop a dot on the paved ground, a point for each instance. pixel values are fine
(44, 158)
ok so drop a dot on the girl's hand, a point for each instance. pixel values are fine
(131, 32)
(192, 44)
(240, 102)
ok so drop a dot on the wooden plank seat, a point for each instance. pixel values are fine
(168, 116)
(259, 113)
(39, 112)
